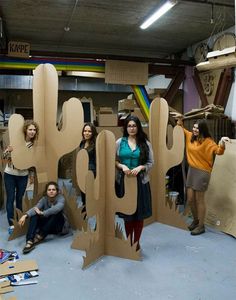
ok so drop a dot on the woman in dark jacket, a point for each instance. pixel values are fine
(89, 135)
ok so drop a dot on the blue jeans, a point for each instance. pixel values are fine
(15, 188)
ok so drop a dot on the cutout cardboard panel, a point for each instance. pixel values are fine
(126, 72)
(164, 158)
(73, 212)
(19, 266)
(5, 287)
(102, 201)
(52, 143)
(26, 205)
(220, 196)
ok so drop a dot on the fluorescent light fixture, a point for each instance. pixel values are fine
(85, 74)
(160, 12)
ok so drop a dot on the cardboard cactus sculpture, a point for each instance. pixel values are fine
(52, 143)
(102, 202)
(164, 158)
(18, 231)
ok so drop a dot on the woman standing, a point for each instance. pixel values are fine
(46, 217)
(89, 135)
(135, 158)
(16, 180)
(200, 150)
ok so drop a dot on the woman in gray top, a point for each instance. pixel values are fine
(46, 217)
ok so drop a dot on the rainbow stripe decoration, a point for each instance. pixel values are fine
(59, 64)
(62, 64)
(142, 99)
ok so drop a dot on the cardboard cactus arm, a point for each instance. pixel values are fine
(128, 203)
(21, 155)
(69, 136)
(82, 162)
(158, 129)
(93, 206)
(178, 138)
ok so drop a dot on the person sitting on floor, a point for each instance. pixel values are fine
(46, 217)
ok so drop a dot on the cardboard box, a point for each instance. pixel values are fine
(105, 110)
(107, 119)
(127, 104)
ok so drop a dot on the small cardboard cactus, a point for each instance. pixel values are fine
(102, 202)
(164, 158)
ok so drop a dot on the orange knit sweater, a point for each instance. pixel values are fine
(201, 156)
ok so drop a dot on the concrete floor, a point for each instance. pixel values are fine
(175, 265)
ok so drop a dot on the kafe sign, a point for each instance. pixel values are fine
(18, 49)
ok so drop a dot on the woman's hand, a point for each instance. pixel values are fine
(126, 170)
(135, 171)
(38, 211)
(21, 222)
(224, 140)
(8, 149)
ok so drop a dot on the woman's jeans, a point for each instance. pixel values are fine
(15, 188)
(45, 225)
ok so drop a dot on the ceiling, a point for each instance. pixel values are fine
(109, 29)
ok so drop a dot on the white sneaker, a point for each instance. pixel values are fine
(10, 229)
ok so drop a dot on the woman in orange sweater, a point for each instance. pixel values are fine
(201, 150)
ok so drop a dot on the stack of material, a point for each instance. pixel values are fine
(15, 272)
(218, 123)
(211, 111)
(106, 117)
(127, 104)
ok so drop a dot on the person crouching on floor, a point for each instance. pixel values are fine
(46, 217)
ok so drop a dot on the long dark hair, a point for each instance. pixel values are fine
(92, 141)
(51, 183)
(203, 131)
(141, 138)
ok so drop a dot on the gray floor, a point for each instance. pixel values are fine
(175, 265)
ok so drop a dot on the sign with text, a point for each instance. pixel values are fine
(18, 49)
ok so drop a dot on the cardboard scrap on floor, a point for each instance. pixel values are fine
(9, 268)
(5, 287)
(11, 298)
(18, 272)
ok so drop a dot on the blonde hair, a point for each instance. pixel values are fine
(26, 126)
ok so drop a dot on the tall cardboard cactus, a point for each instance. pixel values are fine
(164, 159)
(52, 143)
(102, 202)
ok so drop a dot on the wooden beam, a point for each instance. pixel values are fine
(199, 88)
(173, 87)
(169, 71)
(224, 86)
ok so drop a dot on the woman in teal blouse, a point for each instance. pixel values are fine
(135, 158)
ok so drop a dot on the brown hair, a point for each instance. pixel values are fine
(51, 183)
(92, 140)
(25, 127)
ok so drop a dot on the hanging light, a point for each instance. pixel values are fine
(160, 12)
